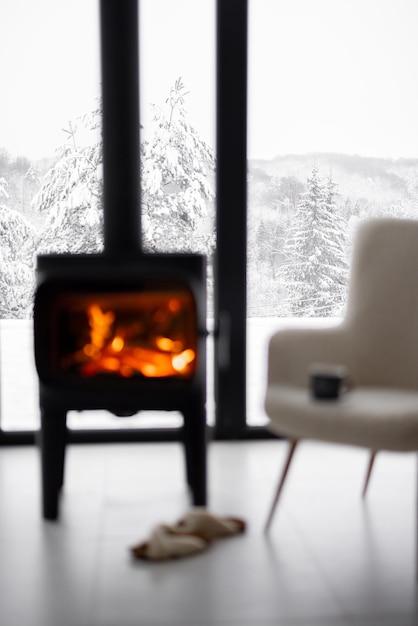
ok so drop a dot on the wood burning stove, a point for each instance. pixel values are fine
(121, 330)
(125, 337)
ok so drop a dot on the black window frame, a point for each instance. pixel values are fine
(230, 263)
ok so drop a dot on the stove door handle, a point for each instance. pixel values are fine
(222, 336)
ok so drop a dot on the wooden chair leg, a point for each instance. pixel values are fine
(290, 453)
(369, 471)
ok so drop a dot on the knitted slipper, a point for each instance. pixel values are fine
(208, 526)
(163, 544)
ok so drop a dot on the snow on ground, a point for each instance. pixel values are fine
(19, 386)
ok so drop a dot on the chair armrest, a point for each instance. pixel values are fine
(292, 351)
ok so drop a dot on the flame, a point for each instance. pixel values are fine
(182, 360)
(89, 349)
(117, 344)
(164, 343)
(100, 325)
(174, 305)
(121, 346)
(168, 345)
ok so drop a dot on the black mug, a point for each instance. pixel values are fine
(327, 381)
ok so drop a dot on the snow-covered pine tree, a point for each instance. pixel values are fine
(71, 195)
(177, 166)
(17, 247)
(316, 265)
(336, 253)
(265, 295)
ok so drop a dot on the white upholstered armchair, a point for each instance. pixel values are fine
(378, 344)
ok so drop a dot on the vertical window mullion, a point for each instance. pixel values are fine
(231, 221)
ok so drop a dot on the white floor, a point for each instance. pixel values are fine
(331, 559)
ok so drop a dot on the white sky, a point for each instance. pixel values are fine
(334, 75)
(325, 75)
(48, 71)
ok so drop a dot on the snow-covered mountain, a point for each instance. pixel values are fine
(375, 180)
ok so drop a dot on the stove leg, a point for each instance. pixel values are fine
(195, 453)
(52, 444)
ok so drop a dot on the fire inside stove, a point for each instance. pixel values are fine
(151, 333)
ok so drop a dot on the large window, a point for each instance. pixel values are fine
(332, 130)
(50, 80)
(332, 140)
(50, 159)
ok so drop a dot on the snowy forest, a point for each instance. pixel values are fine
(302, 210)
(303, 214)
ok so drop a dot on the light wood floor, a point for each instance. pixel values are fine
(330, 560)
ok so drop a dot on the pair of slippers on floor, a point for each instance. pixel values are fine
(192, 533)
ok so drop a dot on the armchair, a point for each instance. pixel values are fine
(378, 344)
